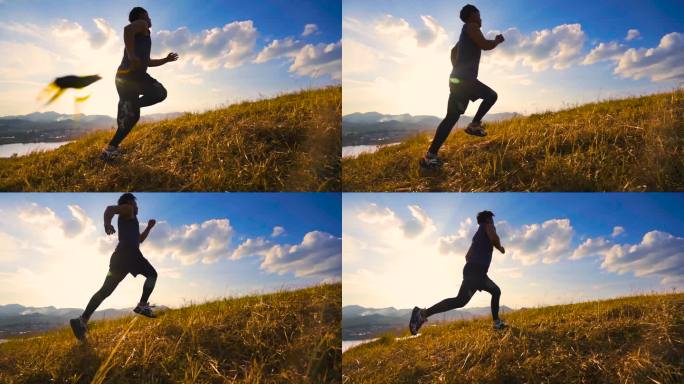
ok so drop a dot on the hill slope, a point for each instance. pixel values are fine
(636, 339)
(635, 144)
(282, 337)
(288, 143)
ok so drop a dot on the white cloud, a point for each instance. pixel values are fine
(206, 242)
(617, 231)
(251, 247)
(430, 33)
(309, 29)
(664, 62)
(373, 213)
(277, 231)
(287, 47)
(632, 34)
(547, 242)
(559, 47)
(103, 35)
(418, 224)
(319, 60)
(590, 247)
(229, 46)
(605, 52)
(658, 254)
(319, 254)
(458, 242)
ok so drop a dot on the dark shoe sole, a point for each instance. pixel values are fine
(425, 165)
(141, 313)
(76, 328)
(475, 133)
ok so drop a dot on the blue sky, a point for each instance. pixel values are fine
(387, 69)
(53, 38)
(53, 250)
(561, 247)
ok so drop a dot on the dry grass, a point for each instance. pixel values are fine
(634, 144)
(288, 337)
(288, 143)
(637, 339)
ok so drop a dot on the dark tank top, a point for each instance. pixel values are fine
(467, 63)
(481, 249)
(143, 46)
(129, 233)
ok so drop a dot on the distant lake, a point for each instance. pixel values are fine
(355, 150)
(21, 149)
(346, 344)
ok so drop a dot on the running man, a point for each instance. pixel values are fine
(463, 83)
(132, 79)
(475, 278)
(126, 259)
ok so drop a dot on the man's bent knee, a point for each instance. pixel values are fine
(161, 93)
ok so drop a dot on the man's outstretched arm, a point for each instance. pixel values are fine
(475, 33)
(494, 237)
(124, 210)
(146, 232)
(173, 56)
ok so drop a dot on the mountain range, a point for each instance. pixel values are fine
(372, 128)
(16, 319)
(54, 127)
(360, 323)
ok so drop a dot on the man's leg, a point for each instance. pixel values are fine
(492, 288)
(128, 112)
(111, 281)
(488, 97)
(150, 280)
(152, 92)
(465, 293)
(455, 107)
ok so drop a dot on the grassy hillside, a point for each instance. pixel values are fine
(289, 337)
(636, 339)
(634, 144)
(288, 143)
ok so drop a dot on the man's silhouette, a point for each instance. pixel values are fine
(475, 278)
(463, 83)
(126, 259)
(132, 79)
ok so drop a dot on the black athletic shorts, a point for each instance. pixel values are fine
(463, 91)
(130, 260)
(475, 276)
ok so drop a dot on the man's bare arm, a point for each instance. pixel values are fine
(157, 62)
(146, 232)
(475, 33)
(494, 237)
(124, 210)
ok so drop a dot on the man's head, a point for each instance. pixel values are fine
(470, 14)
(485, 217)
(129, 199)
(139, 13)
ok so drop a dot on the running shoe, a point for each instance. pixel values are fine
(475, 129)
(145, 309)
(110, 153)
(431, 161)
(499, 324)
(417, 320)
(79, 327)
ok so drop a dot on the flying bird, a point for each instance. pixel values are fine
(61, 84)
